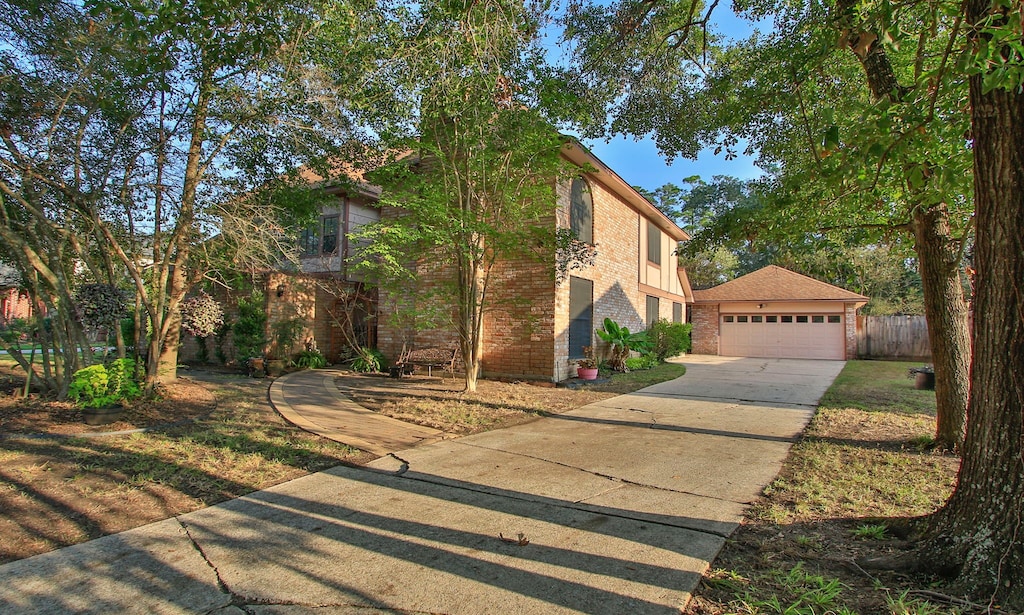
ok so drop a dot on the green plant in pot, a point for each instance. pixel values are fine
(100, 390)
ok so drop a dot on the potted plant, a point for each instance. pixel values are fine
(586, 368)
(99, 390)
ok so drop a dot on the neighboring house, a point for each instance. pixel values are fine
(774, 312)
(14, 301)
(542, 324)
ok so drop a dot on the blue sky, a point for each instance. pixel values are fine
(638, 161)
(640, 164)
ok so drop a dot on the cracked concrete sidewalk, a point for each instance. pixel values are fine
(621, 506)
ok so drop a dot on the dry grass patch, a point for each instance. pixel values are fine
(60, 491)
(442, 404)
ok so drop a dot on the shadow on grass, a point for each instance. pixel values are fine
(207, 462)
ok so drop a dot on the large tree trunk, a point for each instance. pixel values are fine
(946, 313)
(980, 532)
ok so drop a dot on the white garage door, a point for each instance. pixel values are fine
(785, 336)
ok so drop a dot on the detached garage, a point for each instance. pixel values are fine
(776, 313)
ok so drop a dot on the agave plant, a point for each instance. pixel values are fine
(622, 342)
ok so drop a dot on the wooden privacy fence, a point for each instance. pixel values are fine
(893, 337)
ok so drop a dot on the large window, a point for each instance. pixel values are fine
(581, 315)
(321, 238)
(653, 243)
(581, 210)
(653, 310)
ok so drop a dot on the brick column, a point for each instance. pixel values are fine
(705, 329)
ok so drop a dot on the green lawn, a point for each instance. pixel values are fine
(879, 386)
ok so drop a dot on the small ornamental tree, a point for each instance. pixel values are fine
(202, 317)
(477, 185)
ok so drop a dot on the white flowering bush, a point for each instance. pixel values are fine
(201, 315)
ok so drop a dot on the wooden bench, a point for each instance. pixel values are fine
(442, 358)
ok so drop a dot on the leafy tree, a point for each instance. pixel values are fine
(856, 137)
(474, 174)
(894, 154)
(147, 141)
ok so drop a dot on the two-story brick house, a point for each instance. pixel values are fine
(634, 280)
(544, 323)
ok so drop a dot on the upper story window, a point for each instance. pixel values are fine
(330, 236)
(321, 238)
(309, 241)
(653, 243)
(581, 210)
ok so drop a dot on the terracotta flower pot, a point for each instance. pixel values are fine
(586, 373)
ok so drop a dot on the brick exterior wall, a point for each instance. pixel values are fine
(519, 329)
(615, 274)
(526, 332)
(705, 329)
(14, 304)
(306, 298)
(298, 301)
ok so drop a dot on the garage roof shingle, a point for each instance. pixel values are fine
(774, 283)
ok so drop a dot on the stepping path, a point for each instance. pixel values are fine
(310, 399)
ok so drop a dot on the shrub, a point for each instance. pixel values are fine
(369, 360)
(286, 332)
(220, 336)
(100, 385)
(645, 361)
(311, 359)
(249, 330)
(669, 338)
(121, 379)
(15, 331)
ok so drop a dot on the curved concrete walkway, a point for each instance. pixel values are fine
(310, 400)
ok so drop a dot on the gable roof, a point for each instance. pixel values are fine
(773, 283)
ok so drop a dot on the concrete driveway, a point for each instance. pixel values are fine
(616, 507)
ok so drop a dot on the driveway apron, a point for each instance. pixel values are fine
(616, 507)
